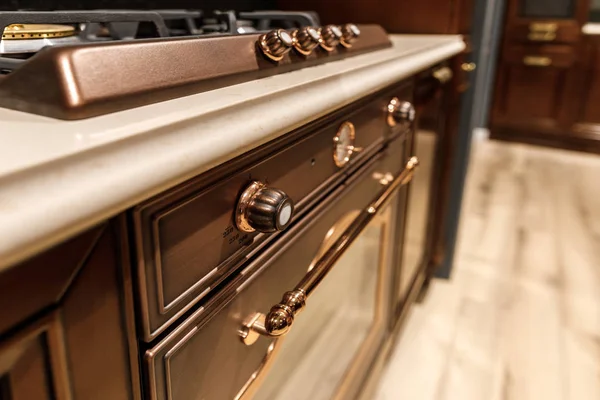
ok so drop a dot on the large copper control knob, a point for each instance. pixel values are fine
(330, 36)
(306, 39)
(263, 209)
(275, 44)
(350, 33)
(400, 112)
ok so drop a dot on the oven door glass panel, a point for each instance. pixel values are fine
(343, 324)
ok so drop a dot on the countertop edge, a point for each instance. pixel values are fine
(42, 207)
(591, 28)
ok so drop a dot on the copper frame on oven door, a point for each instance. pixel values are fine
(381, 211)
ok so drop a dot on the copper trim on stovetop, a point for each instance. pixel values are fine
(81, 81)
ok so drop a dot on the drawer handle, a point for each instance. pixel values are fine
(468, 67)
(278, 321)
(542, 31)
(537, 61)
(443, 74)
(541, 36)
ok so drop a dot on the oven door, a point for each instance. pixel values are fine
(334, 340)
(344, 300)
(306, 318)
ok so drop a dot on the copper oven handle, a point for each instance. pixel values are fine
(279, 319)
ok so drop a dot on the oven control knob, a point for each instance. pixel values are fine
(330, 36)
(263, 209)
(400, 112)
(275, 44)
(350, 33)
(306, 39)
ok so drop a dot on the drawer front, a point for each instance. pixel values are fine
(541, 56)
(544, 32)
(204, 358)
(186, 239)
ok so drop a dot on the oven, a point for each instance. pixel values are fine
(301, 313)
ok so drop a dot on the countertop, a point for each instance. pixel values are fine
(58, 178)
(591, 28)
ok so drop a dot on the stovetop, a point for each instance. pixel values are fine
(78, 64)
(111, 25)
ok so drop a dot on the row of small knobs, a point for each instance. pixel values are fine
(275, 44)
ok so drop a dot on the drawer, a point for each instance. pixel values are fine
(544, 32)
(204, 357)
(541, 56)
(186, 239)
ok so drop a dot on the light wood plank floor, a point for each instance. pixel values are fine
(520, 318)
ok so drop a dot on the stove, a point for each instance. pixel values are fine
(81, 64)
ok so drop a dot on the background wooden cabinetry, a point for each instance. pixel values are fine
(425, 16)
(548, 78)
(588, 115)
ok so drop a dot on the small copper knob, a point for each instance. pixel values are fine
(275, 44)
(306, 39)
(350, 33)
(400, 113)
(330, 36)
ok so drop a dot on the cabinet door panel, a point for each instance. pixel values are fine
(533, 87)
(590, 109)
(32, 363)
(533, 93)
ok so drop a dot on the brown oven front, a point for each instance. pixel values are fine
(251, 341)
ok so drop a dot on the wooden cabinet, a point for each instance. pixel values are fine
(72, 330)
(33, 364)
(588, 116)
(426, 16)
(532, 86)
(548, 79)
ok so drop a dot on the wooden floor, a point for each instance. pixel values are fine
(520, 318)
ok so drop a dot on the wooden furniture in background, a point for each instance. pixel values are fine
(426, 16)
(547, 76)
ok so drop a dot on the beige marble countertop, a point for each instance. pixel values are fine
(591, 28)
(58, 178)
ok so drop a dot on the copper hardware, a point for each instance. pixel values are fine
(537, 61)
(350, 33)
(542, 31)
(306, 39)
(278, 321)
(343, 144)
(249, 389)
(263, 209)
(541, 36)
(443, 74)
(67, 94)
(330, 36)
(36, 31)
(400, 112)
(384, 179)
(275, 44)
(468, 67)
